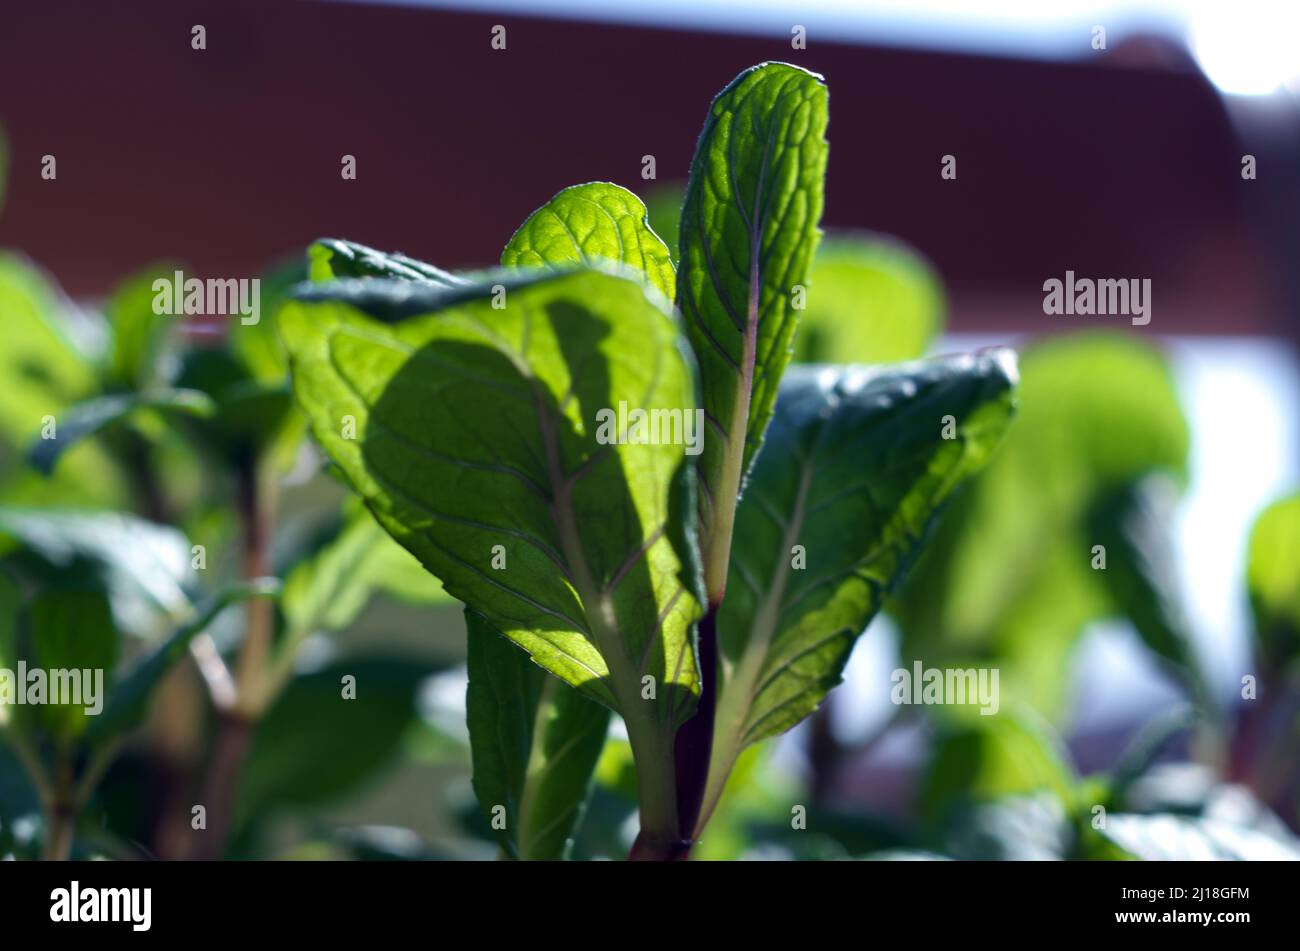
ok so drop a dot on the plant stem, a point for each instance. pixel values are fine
(233, 737)
(659, 838)
(235, 726)
(251, 665)
(693, 749)
(60, 816)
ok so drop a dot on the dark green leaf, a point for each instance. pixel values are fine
(535, 742)
(1134, 525)
(330, 259)
(586, 224)
(85, 419)
(855, 468)
(257, 345)
(72, 638)
(315, 745)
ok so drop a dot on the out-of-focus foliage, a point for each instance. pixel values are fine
(870, 300)
(1099, 416)
(1273, 581)
(330, 732)
(43, 370)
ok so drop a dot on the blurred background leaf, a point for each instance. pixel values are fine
(871, 299)
(314, 747)
(1099, 414)
(145, 567)
(1273, 581)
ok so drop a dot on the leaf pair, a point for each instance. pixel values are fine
(489, 428)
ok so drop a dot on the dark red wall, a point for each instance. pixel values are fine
(228, 158)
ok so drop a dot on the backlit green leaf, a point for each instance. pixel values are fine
(586, 224)
(748, 232)
(42, 371)
(471, 431)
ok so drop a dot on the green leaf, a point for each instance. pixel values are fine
(128, 700)
(318, 743)
(986, 758)
(330, 258)
(255, 418)
(42, 370)
(748, 232)
(329, 589)
(870, 300)
(138, 332)
(1134, 526)
(1273, 580)
(476, 440)
(257, 345)
(587, 224)
(1173, 838)
(1029, 827)
(145, 566)
(86, 418)
(855, 467)
(72, 630)
(1098, 413)
(535, 742)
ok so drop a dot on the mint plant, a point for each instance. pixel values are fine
(91, 577)
(709, 601)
